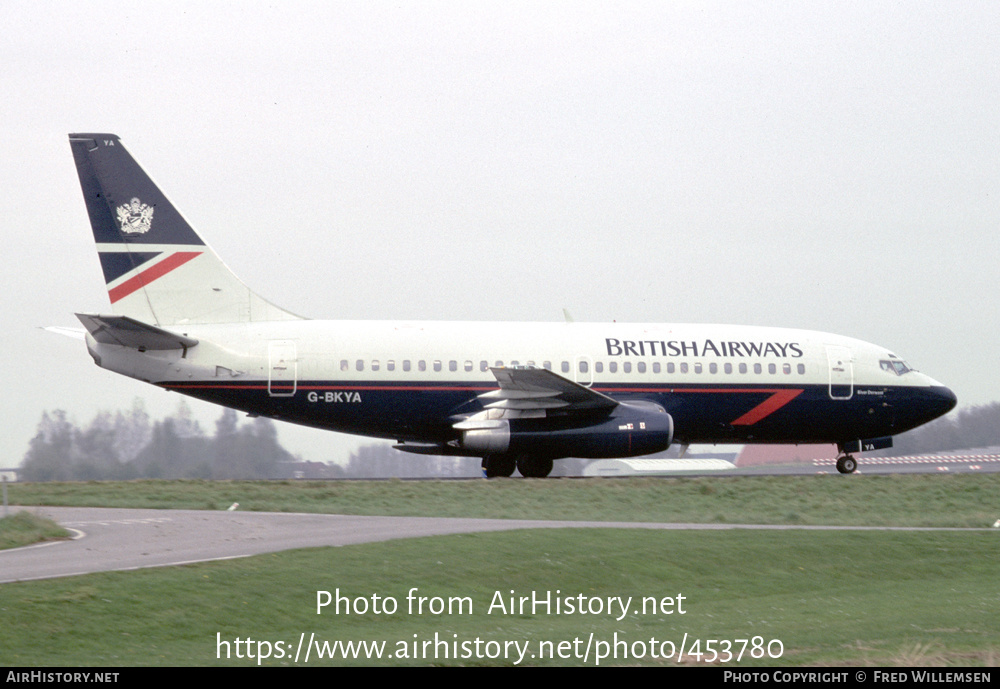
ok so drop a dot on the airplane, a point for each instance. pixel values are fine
(517, 395)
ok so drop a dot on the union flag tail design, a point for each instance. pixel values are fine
(157, 269)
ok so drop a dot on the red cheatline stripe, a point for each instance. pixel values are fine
(777, 400)
(767, 407)
(150, 274)
(349, 388)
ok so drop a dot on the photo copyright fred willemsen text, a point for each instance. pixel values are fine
(449, 646)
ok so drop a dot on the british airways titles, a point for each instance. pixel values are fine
(783, 350)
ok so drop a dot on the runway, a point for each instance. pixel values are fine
(126, 539)
(922, 464)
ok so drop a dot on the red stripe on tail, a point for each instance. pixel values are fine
(151, 274)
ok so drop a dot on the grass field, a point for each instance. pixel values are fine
(960, 500)
(828, 597)
(24, 528)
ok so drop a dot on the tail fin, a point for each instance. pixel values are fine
(157, 269)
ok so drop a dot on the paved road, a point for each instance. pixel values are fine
(121, 539)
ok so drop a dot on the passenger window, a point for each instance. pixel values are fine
(598, 367)
(684, 367)
(484, 366)
(641, 367)
(390, 365)
(421, 365)
(499, 364)
(728, 368)
(802, 369)
(583, 366)
(452, 365)
(670, 367)
(565, 367)
(713, 368)
(547, 365)
(360, 365)
(375, 365)
(627, 367)
(406, 364)
(757, 368)
(613, 367)
(656, 367)
(743, 368)
(437, 365)
(344, 365)
(786, 369)
(697, 368)
(771, 368)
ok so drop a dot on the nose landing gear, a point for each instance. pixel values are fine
(846, 464)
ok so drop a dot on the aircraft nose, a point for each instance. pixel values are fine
(944, 398)
(927, 404)
(938, 400)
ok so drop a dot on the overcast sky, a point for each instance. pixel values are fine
(832, 166)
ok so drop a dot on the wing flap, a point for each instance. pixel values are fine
(515, 403)
(539, 388)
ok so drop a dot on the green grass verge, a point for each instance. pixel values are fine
(24, 528)
(831, 598)
(960, 500)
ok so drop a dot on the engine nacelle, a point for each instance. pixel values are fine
(631, 429)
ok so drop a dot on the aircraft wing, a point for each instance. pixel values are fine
(539, 388)
(128, 332)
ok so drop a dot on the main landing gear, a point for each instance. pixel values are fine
(846, 464)
(495, 466)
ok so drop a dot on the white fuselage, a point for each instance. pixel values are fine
(341, 374)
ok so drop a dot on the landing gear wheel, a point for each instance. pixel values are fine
(534, 467)
(498, 466)
(847, 464)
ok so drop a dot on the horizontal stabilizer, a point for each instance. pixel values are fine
(128, 332)
(75, 333)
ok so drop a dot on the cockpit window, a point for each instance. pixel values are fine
(897, 366)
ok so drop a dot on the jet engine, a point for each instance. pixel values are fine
(631, 429)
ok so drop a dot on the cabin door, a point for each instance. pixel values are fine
(282, 368)
(841, 363)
